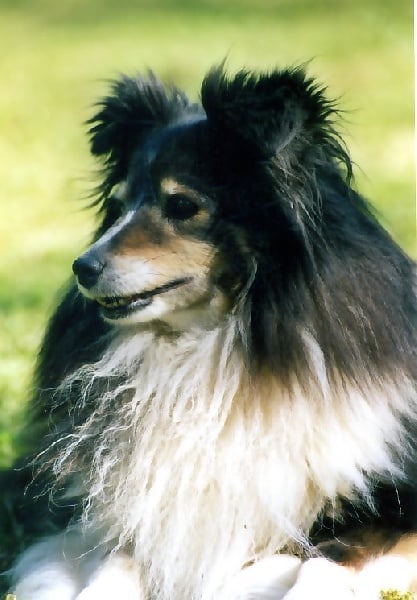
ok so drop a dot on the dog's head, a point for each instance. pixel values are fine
(206, 205)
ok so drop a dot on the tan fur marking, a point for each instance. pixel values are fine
(152, 239)
(407, 548)
(176, 256)
(169, 186)
(359, 547)
(146, 232)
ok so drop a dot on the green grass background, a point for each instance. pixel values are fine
(56, 56)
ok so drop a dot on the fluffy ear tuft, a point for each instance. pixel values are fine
(134, 107)
(270, 114)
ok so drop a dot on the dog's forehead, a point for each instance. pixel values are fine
(182, 147)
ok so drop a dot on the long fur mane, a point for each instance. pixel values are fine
(184, 454)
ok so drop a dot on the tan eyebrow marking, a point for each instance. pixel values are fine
(170, 186)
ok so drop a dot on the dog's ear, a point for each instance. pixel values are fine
(277, 129)
(134, 107)
(281, 115)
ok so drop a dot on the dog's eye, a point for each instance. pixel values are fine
(180, 207)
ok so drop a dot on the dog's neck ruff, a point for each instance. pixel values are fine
(200, 469)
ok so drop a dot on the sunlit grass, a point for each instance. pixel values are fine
(56, 59)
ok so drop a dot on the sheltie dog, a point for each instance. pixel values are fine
(226, 398)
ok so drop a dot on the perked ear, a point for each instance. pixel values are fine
(134, 107)
(278, 114)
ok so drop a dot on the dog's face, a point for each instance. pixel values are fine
(159, 259)
(203, 205)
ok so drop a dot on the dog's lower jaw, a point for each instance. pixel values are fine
(115, 308)
(206, 312)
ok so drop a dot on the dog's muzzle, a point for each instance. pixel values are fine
(89, 268)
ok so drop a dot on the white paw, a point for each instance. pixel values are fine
(388, 572)
(267, 579)
(320, 578)
(117, 577)
(42, 573)
(49, 582)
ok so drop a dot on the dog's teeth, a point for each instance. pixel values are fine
(142, 299)
(115, 302)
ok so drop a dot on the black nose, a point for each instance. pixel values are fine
(87, 269)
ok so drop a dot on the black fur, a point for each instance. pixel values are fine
(266, 151)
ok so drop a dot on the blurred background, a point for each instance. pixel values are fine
(56, 59)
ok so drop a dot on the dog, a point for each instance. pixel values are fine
(226, 397)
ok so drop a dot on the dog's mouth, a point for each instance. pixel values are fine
(120, 307)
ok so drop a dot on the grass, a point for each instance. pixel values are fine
(55, 60)
(395, 595)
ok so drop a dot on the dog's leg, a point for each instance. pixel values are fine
(267, 579)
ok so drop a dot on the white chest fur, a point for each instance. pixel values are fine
(199, 470)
